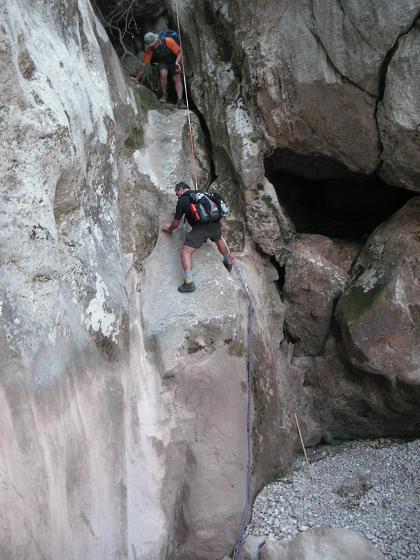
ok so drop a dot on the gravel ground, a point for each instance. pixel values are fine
(370, 487)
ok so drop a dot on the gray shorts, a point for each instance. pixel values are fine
(199, 234)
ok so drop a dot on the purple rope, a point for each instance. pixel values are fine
(249, 423)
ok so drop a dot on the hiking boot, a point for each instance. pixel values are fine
(162, 99)
(227, 264)
(186, 287)
(180, 104)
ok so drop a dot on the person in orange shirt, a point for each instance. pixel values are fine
(167, 53)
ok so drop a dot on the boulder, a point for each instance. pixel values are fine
(378, 314)
(348, 402)
(316, 96)
(345, 32)
(315, 276)
(271, 227)
(399, 115)
(321, 544)
(295, 97)
(252, 546)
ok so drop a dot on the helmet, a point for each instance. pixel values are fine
(150, 39)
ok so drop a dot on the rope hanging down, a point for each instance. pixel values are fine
(194, 165)
(246, 515)
(250, 344)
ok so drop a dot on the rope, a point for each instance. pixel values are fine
(194, 166)
(250, 342)
(246, 515)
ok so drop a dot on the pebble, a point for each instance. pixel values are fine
(370, 487)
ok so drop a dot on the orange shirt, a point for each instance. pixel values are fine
(170, 43)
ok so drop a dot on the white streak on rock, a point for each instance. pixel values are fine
(98, 317)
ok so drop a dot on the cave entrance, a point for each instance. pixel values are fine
(323, 196)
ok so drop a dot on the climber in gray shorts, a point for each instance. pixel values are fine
(198, 235)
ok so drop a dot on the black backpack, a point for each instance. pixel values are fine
(206, 208)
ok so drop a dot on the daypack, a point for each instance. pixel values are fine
(169, 33)
(206, 208)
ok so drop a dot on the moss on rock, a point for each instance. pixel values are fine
(146, 99)
(415, 315)
(357, 302)
(135, 140)
(285, 233)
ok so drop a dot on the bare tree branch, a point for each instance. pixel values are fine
(123, 12)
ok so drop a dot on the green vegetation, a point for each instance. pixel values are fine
(415, 314)
(146, 99)
(135, 140)
(341, 440)
(357, 302)
(286, 235)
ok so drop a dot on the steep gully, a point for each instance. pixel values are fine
(305, 184)
(309, 198)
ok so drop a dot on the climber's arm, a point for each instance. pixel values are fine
(170, 227)
(181, 208)
(147, 58)
(175, 49)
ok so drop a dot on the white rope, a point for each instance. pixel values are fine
(194, 168)
(250, 351)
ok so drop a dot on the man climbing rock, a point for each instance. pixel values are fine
(167, 53)
(198, 235)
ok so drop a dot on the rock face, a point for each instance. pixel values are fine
(349, 402)
(310, 71)
(321, 544)
(399, 114)
(378, 315)
(315, 276)
(122, 401)
(64, 308)
(190, 353)
(305, 85)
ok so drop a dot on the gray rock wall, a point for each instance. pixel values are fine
(64, 307)
(123, 403)
(318, 78)
(123, 427)
(326, 90)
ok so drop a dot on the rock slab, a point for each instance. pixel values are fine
(379, 314)
(321, 544)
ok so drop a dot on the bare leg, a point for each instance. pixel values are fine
(228, 258)
(186, 257)
(178, 86)
(163, 79)
(221, 245)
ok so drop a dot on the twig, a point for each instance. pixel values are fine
(303, 445)
(110, 25)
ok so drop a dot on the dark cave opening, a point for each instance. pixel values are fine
(322, 196)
